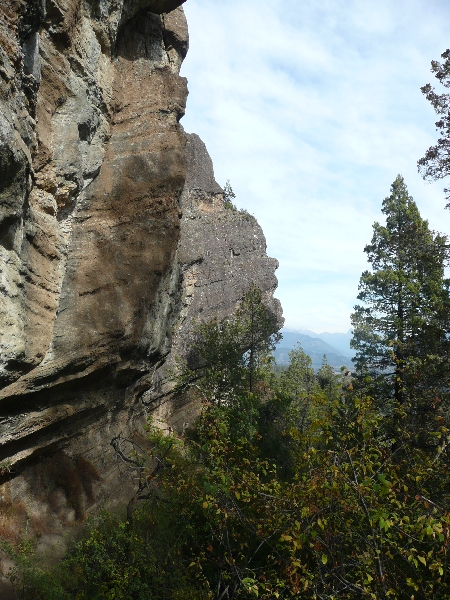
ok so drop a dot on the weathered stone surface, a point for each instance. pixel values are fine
(89, 197)
(221, 252)
(157, 7)
(114, 238)
(176, 37)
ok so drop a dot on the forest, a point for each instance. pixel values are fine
(296, 483)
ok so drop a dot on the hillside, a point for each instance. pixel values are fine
(315, 347)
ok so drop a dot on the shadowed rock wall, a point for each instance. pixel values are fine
(92, 168)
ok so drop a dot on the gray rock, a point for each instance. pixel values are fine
(221, 252)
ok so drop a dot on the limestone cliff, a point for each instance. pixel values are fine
(114, 237)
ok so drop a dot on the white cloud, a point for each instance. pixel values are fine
(311, 110)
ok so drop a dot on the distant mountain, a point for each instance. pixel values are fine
(341, 341)
(315, 347)
(312, 334)
(291, 336)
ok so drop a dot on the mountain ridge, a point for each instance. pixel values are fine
(337, 353)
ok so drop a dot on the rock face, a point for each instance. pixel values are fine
(93, 166)
(114, 237)
(221, 252)
(90, 203)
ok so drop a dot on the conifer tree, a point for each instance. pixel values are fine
(402, 328)
(436, 162)
(230, 356)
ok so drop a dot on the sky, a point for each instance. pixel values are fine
(311, 109)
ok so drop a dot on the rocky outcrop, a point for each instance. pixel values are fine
(221, 252)
(93, 165)
(90, 213)
(114, 237)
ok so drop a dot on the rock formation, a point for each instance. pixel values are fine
(114, 237)
(220, 253)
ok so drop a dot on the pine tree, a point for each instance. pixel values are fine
(436, 162)
(259, 332)
(232, 356)
(402, 328)
(229, 196)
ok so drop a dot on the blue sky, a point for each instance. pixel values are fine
(311, 109)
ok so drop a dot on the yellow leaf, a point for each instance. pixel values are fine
(422, 560)
(324, 559)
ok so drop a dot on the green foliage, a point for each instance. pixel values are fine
(435, 164)
(116, 561)
(401, 329)
(290, 407)
(260, 335)
(354, 519)
(228, 358)
(298, 380)
(293, 489)
(229, 196)
(30, 580)
(364, 522)
(5, 467)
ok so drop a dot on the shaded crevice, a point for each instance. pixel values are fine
(8, 228)
(141, 37)
(109, 377)
(171, 40)
(32, 18)
(72, 427)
